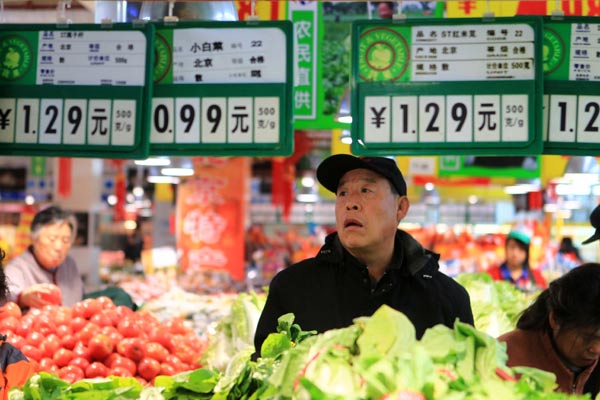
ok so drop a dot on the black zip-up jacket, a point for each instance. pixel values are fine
(330, 290)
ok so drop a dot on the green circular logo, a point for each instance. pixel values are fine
(162, 58)
(553, 50)
(15, 57)
(383, 55)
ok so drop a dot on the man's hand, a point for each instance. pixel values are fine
(40, 295)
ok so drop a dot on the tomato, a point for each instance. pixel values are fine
(62, 357)
(90, 307)
(68, 341)
(102, 318)
(44, 324)
(124, 362)
(81, 350)
(62, 330)
(71, 374)
(9, 323)
(119, 371)
(77, 324)
(96, 370)
(167, 369)
(50, 345)
(47, 364)
(158, 335)
(156, 351)
(34, 338)
(132, 348)
(16, 340)
(62, 315)
(10, 309)
(100, 346)
(106, 303)
(79, 362)
(53, 295)
(176, 326)
(148, 368)
(87, 332)
(129, 327)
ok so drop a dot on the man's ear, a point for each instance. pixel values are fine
(403, 206)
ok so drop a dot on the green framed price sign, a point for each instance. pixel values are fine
(222, 88)
(459, 86)
(572, 86)
(78, 90)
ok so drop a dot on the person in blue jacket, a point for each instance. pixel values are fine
(367, 262)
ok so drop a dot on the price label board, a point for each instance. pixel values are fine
(459, 86)
(222, 88)
(572, 86)
(81, 90)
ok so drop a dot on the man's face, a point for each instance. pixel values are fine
(52, 245)
(580, 347)
(367, 212)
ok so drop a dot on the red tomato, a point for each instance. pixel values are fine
(96, 370)
(130, 327)
(156, 351)
(68, 341)
(102, 318)
(148, 368)
(16, 340)
(80, 362)
(81, 350)
(62, 330)
(158, 335)
(167, 369)
(47, 364)
(62, 357)
(106, 303)
(90, 307)
(119, 371)
(71, 374)
(100, 347)
(9, 323)
(31, 352)
(132, 348)
(126, 363)
(77, 324)
(44, 324)
(50, 345)
(34, 338)
(87, 332)
(53, 296)
(176, 326)
(10, 309)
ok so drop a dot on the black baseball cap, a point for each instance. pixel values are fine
(595, 221)
(331, 170)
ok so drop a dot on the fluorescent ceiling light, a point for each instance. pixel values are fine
(521, 188)
(154, 162)
(177, 171)
(307, 198)
(577, 190)
(346, 119)
(163, 179)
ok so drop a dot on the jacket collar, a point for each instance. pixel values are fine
(410, 258)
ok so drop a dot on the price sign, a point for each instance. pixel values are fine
(222, 88)
(572, 86)
(77, 91)
(446, 87)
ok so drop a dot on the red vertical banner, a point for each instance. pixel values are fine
(65, 176)
(211, 214)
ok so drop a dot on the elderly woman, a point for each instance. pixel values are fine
(34, 275)
(560, 331)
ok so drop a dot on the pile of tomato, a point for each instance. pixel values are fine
(96, 338)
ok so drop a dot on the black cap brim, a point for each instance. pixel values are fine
(592, 238)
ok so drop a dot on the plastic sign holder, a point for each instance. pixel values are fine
(75, 90)
(458, 86)
(222, 89)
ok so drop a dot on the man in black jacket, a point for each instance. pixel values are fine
(367, 262)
